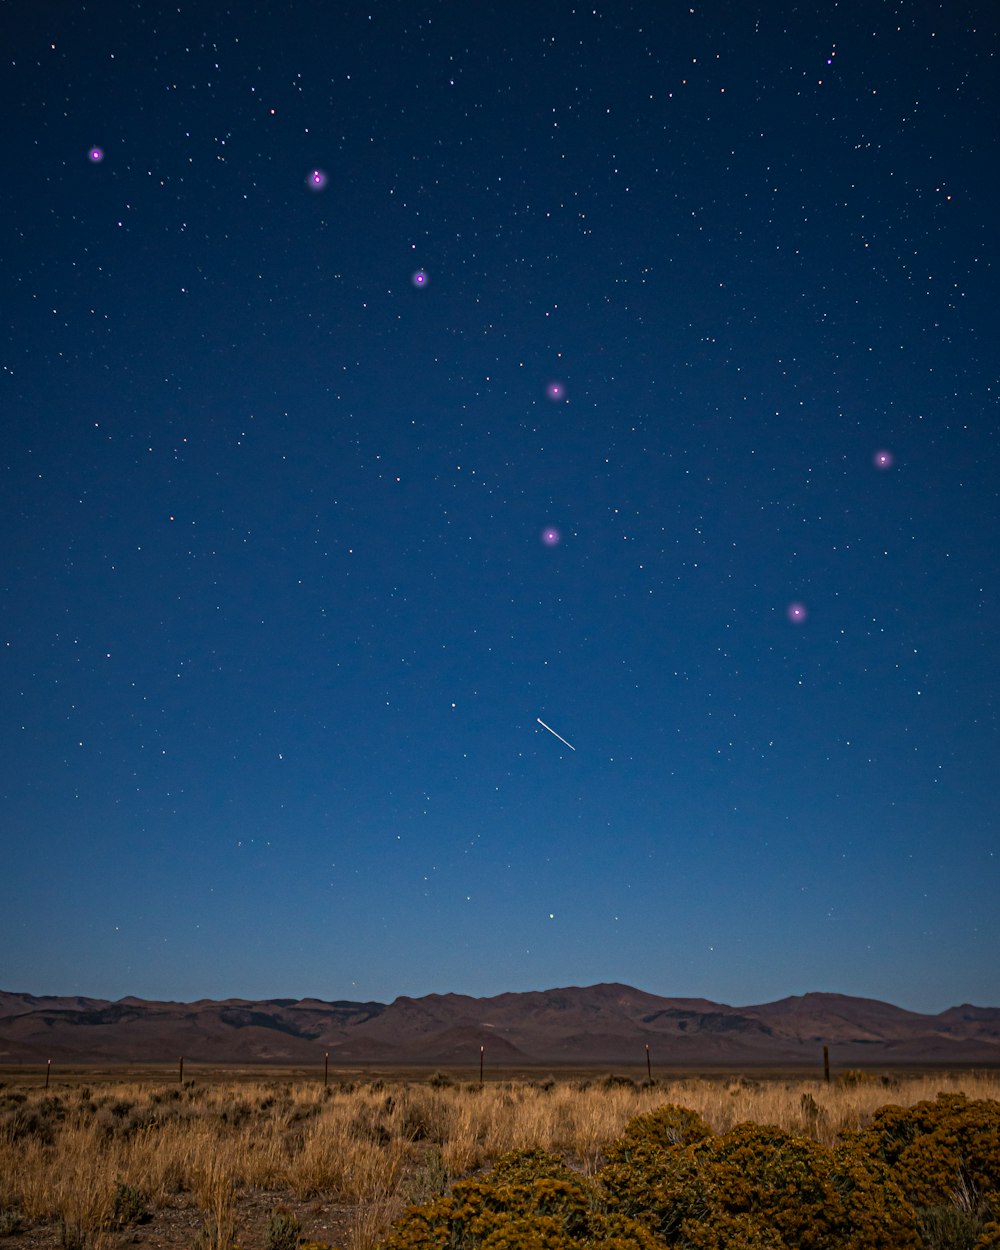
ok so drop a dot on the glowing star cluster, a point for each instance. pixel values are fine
(883, 459)
(556, 391)
(95, 155)
(419, 279)
(316, 180)
(796, 613)
(551, 536)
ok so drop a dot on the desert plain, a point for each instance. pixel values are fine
(97, 1157)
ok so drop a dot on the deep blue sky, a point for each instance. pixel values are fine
(279, 616)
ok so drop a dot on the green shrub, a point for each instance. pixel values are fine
(212, 1237)
(949, 1228)
(10, 1222)
(429, 1180)
(283, 1229)
(128, 1205)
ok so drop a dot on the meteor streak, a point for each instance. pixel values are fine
(554, 734)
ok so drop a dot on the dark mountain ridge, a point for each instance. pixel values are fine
(598, 1024)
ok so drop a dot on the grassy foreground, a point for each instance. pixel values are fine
(267, 1164)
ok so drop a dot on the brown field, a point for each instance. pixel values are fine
(111, 1158)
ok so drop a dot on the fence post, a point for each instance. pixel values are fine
(826, 1064)
(180, 1075)
(482, 1051)
(649, 1068)
(48, 1070)
(326, 1068)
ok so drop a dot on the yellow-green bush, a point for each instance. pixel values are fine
(989, 1236)
(759, 1187)
(938, 1147)
(529, 1201)
(924, 1178)
(751, 1189)
(668, 1125)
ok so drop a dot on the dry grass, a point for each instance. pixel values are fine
(366, 1149)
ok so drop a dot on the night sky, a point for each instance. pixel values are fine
(380, 381)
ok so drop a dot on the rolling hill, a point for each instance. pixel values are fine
(594, 1025)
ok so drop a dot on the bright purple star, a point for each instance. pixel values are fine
(551, 536)
(419, 278)
(316, 180)
(95, 155)
(796, 613)
(555, 391)
(883, 459)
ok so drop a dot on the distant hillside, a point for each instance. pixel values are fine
(599, 1024)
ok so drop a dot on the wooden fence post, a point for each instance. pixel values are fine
(826, 1064)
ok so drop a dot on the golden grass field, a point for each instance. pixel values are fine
(98, 1160)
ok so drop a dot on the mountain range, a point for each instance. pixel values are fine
(590, 1026)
